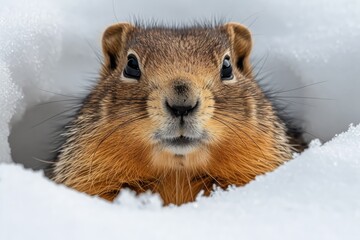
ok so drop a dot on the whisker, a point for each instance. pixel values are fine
(97, 54)
(190, 187)
(219, 120)
(298, 103)
(56, 115)
(245, 134)
(299, 88)
(57, 101)
(264, 60)
(223, 113)
(305, 97)
(41, 160)
(139, 117)
(59, 94)
(203, 168)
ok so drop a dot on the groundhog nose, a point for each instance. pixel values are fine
(181, 87)
(181, 110)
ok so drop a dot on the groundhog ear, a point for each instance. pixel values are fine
(113, 43)
(241, 44)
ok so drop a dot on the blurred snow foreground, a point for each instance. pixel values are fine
(314, 196)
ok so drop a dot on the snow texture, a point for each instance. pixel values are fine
(314, 196)
(308, 51)
(27, 33)
(9, 96)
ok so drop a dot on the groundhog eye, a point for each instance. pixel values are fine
(226, 70)
(132, 69)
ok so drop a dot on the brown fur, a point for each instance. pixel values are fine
(110, 146)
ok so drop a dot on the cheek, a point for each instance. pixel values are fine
(155, 110)
(216, 130)
(206, 110)
(210, 122)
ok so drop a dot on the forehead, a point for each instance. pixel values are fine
(187, 45)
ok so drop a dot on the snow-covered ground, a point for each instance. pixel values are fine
(314, 196)
(312, 47)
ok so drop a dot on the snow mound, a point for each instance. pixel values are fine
(9, 97)
(314, 196)
(29, 47)
(313, 47)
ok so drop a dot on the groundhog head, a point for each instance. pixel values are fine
(176, 110)
(184, 91)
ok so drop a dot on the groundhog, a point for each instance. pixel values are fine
(176, 111)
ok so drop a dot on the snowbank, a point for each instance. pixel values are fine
(314, 196)
(9, 97)
(29, 47)
(310, 46)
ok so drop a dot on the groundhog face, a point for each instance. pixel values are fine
(182, 88)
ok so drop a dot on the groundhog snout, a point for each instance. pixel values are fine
(182, 99)
(181, 110)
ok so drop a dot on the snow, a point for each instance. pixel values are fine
(26, 60)
(314, 196)
(310, 46)
(9, 96)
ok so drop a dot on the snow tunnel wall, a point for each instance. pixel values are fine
(46, 47)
